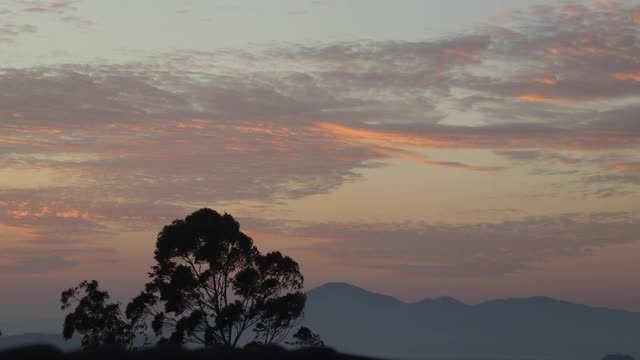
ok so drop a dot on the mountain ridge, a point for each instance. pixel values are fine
(446, 298)
(355, 320)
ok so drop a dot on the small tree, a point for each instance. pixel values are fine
(210, 285)
(98, 321)
(304, 337)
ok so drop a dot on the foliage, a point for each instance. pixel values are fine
(210, 285)
(304, 337)
(98, 321)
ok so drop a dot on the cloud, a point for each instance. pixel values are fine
(49, 6)
(303, 128)
(44, 260)
(40, 233)
(465, 250)
(31, 264)
(588, 52)
(13, 12)
(147, 140)
(8, 31)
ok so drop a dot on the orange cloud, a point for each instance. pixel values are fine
(193, 125)
(547, 80)
(536, 98)
(609, 5)
(21, 214)
(628, 167)
(459, 53)
(505, 12)
(394, 144)
(476, 138)
(571, 10)
(635, 15)
(23, 211)
(75, 214)
(585, 39)
(626, 76)
(425, 161)
(43, 212)
(362, 135)
(13, 141)
(578, 50)
(34, 129)
(18, 214)
(554, 50)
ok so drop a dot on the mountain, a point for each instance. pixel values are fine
(358, 321)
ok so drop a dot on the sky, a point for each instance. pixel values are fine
(478, 149)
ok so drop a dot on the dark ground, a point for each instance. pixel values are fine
(46, 352)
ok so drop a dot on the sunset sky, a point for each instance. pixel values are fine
(478, 149)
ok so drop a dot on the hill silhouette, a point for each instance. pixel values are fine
(355, 320)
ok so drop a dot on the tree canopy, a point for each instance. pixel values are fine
(97, 320)
(210, 285)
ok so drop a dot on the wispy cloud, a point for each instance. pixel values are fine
(13, 23)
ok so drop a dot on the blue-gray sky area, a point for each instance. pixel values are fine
(477, 149)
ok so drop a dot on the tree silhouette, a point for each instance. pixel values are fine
(304, 337)
(98, 321)
(210, 285)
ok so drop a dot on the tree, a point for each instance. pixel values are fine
(98, 321)
(304, 337)
(210, 284)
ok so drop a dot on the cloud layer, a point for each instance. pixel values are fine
(482, 250)
(552, 90)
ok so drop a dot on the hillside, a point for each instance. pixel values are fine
(357, 321)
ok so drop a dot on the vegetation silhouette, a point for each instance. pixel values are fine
(99, 322)
(209, 286)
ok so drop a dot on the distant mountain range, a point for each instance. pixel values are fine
(358, 321)
(354, 320)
